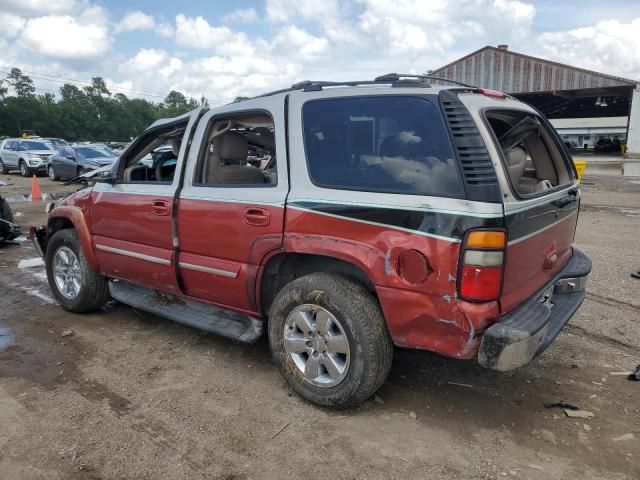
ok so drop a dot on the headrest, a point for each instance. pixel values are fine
(175, 147)
(231, 146)
(515, 156)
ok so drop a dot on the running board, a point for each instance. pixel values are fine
(209, 318)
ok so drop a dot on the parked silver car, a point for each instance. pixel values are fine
(27, 155)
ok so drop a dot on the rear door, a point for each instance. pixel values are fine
(541, 200)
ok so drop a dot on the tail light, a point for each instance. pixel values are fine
(491, 93)
(481, 265)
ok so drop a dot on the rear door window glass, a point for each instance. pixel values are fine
(391, 144)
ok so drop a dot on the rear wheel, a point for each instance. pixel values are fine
(75, 285)
(329, 339)
(24, 169)
(52, 173)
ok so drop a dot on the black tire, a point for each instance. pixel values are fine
(94, 288)
(3, 168)
(52, 173)
(358, 312)
(5, 211)
(25, 171)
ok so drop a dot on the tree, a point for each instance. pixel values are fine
(3, 89)
(98, 88)
(175, 99)
(240, 99)
(22, 84)
(71, 93)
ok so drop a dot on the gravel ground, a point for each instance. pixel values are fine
(131, 395)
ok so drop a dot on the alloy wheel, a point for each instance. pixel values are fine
(67, 273)
(317, 344)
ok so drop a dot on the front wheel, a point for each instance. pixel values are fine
(75, 285)
(52, 173)
(24, 170)
(3, 168)
(329, 339)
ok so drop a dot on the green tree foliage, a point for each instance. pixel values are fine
(87, 113)
(22, 84)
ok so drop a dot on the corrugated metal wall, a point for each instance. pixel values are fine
(513, 73)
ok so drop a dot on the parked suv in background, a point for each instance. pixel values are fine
(27, 155)
(390, 212)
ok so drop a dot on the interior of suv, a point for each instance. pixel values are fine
(533, 161)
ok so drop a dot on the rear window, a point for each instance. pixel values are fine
(533, 158)
(391, 144)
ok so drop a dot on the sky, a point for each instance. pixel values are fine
(224, 49)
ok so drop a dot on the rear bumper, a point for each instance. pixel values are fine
(527, 331)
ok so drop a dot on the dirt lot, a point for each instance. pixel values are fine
(130, 395)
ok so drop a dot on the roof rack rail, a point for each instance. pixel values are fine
(395, 79)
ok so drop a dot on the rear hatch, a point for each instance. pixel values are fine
(541, 200)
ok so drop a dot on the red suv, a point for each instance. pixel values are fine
(381, 213)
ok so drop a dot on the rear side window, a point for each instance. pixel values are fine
(391, 144)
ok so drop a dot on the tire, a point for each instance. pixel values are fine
(5, 211)
(353, 313)
(93, 291)
(52, 173)
(3, 168)
(24, 169)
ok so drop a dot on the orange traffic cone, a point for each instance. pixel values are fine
(36, 194)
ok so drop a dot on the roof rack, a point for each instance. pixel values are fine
(395, 79)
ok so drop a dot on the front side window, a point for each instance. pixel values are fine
(391, 144)
(240, 150)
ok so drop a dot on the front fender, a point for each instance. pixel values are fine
(76, 217)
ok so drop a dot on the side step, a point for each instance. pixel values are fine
(209, 318)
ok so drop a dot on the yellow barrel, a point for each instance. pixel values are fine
(581, 167)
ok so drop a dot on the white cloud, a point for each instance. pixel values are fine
(418, 29)
(299, 43)
(73, 40)
(609, 46)
(38, 7)
(11, 24)
(133, 21)
(197, 33)
(241, 15)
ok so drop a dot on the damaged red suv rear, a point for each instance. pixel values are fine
(340, 219)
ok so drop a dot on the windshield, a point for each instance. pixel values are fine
(58, 142)
(31, 145)
(86, 152)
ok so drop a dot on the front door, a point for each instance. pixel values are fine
(232, 206)
(131, 221)
(66, 164)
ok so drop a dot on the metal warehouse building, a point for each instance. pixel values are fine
(584, 106)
